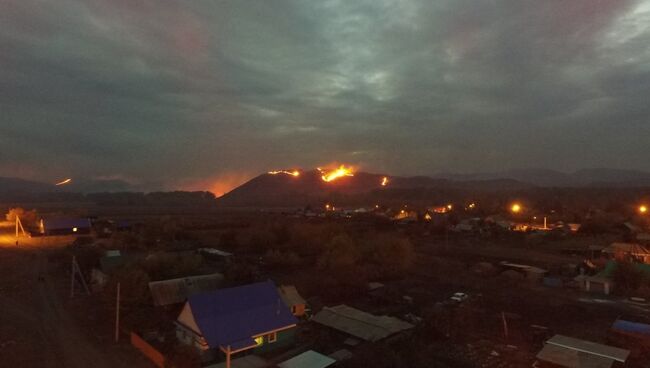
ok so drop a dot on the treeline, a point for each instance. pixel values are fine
(175, 198)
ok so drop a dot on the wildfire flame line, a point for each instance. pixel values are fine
(335, 174)
(384, 181)
(292, 173)
(64, 182)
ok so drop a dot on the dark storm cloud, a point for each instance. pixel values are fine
(187, 92)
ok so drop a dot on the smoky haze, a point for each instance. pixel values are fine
(205, 94)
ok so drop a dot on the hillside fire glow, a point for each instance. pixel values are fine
(384, 181)
(64, 182)
(292, 173)
(342, 171)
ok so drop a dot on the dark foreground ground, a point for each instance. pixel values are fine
(38, 328)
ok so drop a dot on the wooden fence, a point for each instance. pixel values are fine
(149, 351)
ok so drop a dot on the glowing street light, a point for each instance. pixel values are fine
(516, 208)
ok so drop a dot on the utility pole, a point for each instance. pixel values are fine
(77, 270)
(72, 272)
(505, 325)
(228, 356)
(117, 314)
(19, 225)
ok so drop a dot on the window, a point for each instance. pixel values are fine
(259, 340)
(273, 337)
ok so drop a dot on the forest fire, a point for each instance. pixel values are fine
(64, 182)
(286, 172)
(384, 181)
(342, 171)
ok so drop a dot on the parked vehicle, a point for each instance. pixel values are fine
(459, 297)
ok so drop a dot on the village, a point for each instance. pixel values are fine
(339, 286)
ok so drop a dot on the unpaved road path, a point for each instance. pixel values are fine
(35, 328)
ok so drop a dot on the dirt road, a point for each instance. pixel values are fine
(35, 328)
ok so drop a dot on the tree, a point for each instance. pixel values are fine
(393, 255)
(340, 253)
(26, 217)
(134, 287)
(627, 277)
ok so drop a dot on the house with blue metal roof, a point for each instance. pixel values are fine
(246, 318)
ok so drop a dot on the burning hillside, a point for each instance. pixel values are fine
(344, 185)
(331, 175)
(294, 173)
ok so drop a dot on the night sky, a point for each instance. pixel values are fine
(204, 94)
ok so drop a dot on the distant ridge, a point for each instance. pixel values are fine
(596, 177)
(286, 190)
(364, 188)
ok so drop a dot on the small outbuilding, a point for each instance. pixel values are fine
(360, 324)
(308, 359)
(627, 251)
(293, 300)
(174, 291)
(569, 352)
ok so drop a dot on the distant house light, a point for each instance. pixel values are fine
(74, 229)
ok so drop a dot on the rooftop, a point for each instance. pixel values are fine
(605, 351)
(231, 317)
(360, 324)
(308, 359)
(290, 295)
(174, 291)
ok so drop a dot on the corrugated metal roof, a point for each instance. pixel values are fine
(631, 248)
(643, 236)
(174, 291)
(226, 317)
(215, 252)
(308, 359)
(632, 327)
(290, 295)
(571, 358)
(340, 355)
(357, 323)
(620, 355)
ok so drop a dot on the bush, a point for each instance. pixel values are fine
(278, 258)
(183, 356)
(163, 266)
(627, 277)
(134, 287)
(341, 252)
(393, 255)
